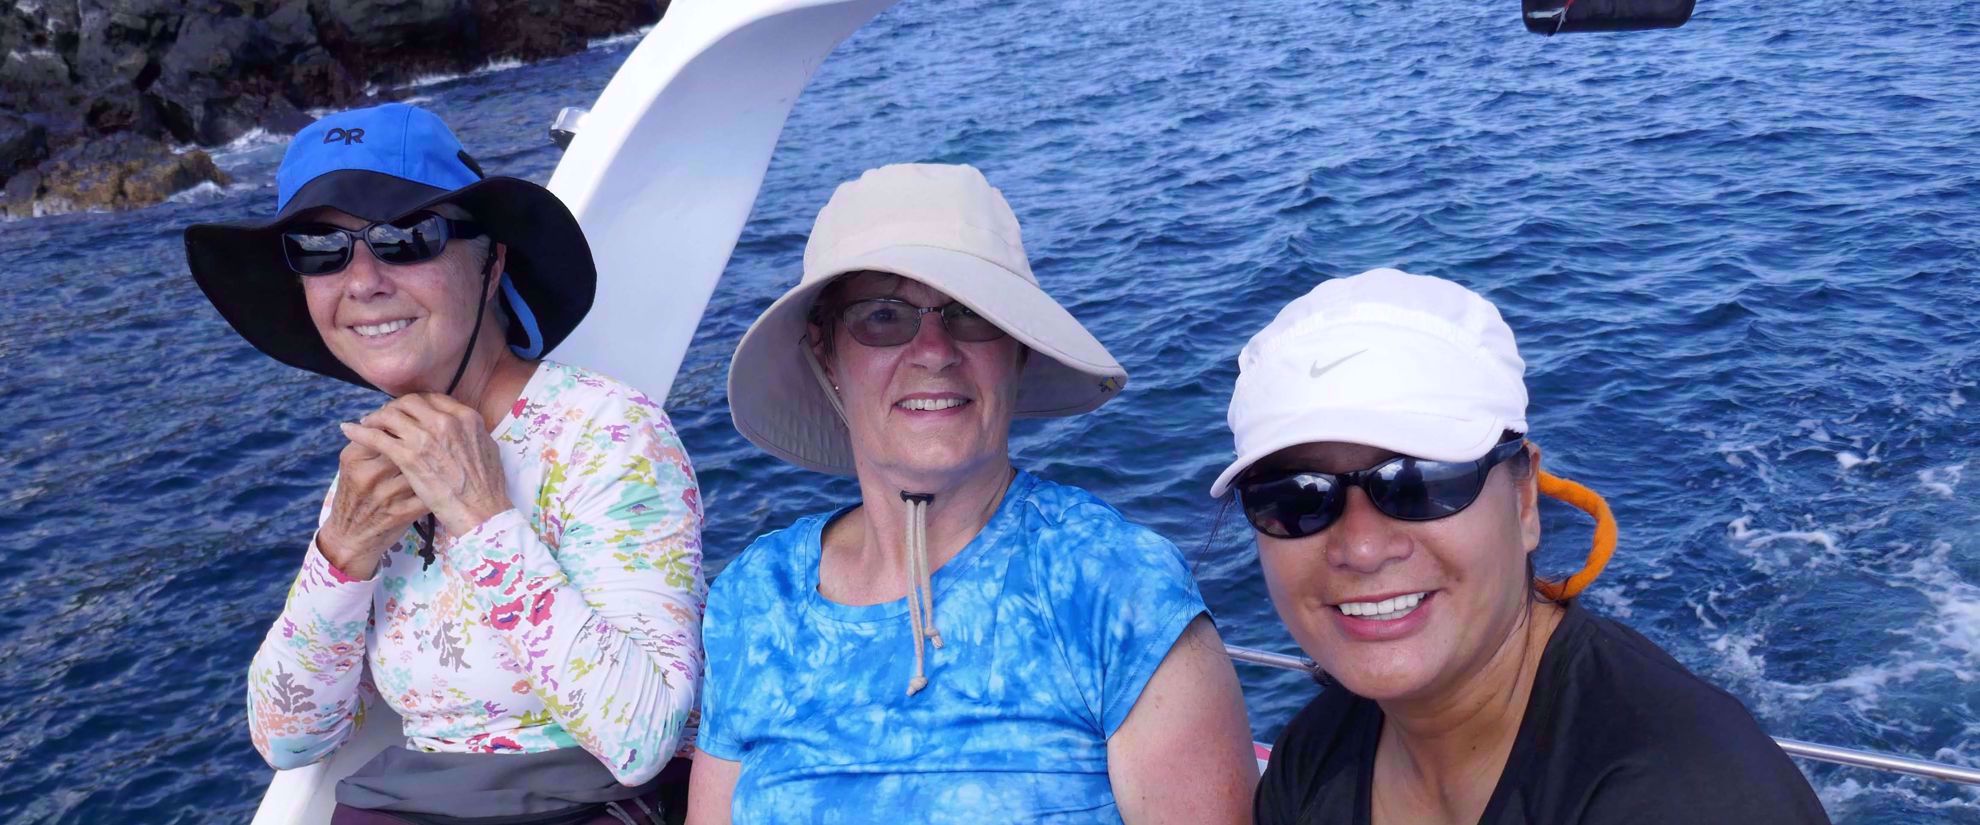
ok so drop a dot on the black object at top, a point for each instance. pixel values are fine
(1552, 17)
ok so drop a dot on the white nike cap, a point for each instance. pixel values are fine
(1417, 365)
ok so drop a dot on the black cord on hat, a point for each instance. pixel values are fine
(425, 525)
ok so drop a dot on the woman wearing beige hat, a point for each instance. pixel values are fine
(968, 642)
(1380, 425)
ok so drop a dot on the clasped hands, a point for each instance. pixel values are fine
(420, 453)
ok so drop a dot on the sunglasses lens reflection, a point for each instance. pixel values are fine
(416, 239)
(316, 250)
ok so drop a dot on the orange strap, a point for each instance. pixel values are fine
(1590, 502)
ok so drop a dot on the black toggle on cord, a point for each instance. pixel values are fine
(424, 526)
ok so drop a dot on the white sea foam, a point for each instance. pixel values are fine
(615, 40)
(1942, 480)
(1750, 455)
(1844, 788)
(1820, 538)
(1698, 609)
(206, 190)
(1957, 601)
(1848, 460)
(243, 149)
(1947, 643)
(501, 64)
(1773, 551)
(424, 81)
(1612, 601)
(1736, 654)
(254, 137)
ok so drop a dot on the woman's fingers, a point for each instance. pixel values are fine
(354, 453)
(393, 487)
(443, 451)
(397, 421)
(377, 440)
(461, 413)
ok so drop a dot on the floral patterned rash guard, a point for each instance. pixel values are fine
(1053, 620)
(572, 620)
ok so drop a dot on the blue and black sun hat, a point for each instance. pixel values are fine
(380, 164)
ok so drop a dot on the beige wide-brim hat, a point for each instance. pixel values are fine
(946, 227)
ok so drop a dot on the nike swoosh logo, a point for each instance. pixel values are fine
(1317, 370)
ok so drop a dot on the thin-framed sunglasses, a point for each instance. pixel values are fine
(891, 322)
(325, 249)
(1292, 504)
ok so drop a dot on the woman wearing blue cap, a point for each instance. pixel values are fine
(510, 554)
(1381, 457)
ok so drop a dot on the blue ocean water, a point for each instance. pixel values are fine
(1743, 258)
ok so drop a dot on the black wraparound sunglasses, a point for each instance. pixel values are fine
(1291, 504)
(325, 249)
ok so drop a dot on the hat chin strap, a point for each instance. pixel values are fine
(487, 271)
(525, 318)
(824, 381)
(425, 526)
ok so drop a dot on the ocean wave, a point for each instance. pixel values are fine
(616, 40)
(500, 64)
(246, 148)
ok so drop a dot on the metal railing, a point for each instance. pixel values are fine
(1794, 747)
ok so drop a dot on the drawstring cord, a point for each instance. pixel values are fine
(921, 590)
(921, 580)
(1592, 503)
(424, 526)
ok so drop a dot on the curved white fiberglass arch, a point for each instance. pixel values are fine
(669, 161)
(662, 177)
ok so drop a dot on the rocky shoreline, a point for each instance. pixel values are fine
(95, 93)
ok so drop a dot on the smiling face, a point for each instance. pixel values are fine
(401, 327)
(929, 409)
(1345, 592)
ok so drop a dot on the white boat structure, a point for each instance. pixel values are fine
(697, 108)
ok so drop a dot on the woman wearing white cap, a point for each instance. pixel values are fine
(968, 643)
(1380, 425)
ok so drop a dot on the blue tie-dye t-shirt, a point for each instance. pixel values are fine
(1053, 619)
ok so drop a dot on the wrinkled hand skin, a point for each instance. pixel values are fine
(443, 450)
(371, 510)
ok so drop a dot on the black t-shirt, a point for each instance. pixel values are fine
(1616, 731)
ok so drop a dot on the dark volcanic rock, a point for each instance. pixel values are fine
(120, 171)
(393, 40)
(22, 143)
(227, 74)
(208, 71)
(535, 29)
